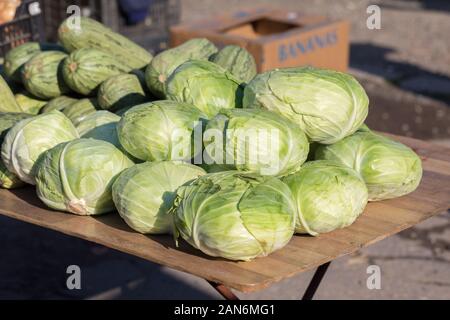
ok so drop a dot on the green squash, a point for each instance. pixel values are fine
(58, 103)
(93, 34)
(42, 76)
(8, 102)
(79, 110)
(121, 91)
(162, 65)
(238, 61)
(85, 69)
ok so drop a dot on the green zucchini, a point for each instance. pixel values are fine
(28, 103)
(162, 65)
(16, 58)
(79, 110)
(238, 61)
(42, 77)
(92, 34)
(8, 102)
(58, 103)
(85, 69)
(121, 91)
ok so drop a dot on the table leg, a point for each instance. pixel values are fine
(315, 281)
(308, 295)
(224, 291)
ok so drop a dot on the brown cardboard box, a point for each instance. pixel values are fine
(276, 38)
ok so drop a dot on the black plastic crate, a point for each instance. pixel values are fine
(25, 27)
(152, 34)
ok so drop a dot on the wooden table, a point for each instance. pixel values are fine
(379, 220)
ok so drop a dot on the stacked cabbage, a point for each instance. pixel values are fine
(389, 168)
(9, 180)
(233, 168)
(327, 105)
(28, 139)
(77, 176)
(235, 215)
(255, 140)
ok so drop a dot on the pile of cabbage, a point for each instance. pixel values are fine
(235, 169)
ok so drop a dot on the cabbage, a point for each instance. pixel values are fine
(236, 216)
(8, 179)
(30, 137)
(389, 168)
(328, 105)
(328, 195)
(144, 193)
(255, 140)
(206, 85)
(160, 130)
(77, 176)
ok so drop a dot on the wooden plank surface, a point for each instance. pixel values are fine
(379, 220)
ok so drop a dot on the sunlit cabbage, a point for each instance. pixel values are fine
(8, 179)
(161, 130)
(255, 140)
(206, 85)
(389, 168)
(235, 215)
(29, 138)
(328, 105)
(144, 193)
(329, 196)
(77, 176)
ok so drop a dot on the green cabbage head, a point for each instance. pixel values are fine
(234, 215)
(389, 168)
(160, 130)
(144, 193)
(9, 180)
(77, 176)
(255, 140)
(206, 85)
(30, 137)
(329, 196)
(328, 105)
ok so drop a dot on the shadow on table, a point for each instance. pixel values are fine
(168, 241)
(375, 60)
(28, 194)
(37, 259)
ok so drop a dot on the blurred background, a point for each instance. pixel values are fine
(404, 67)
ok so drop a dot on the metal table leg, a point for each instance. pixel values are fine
(308, 295)
(315, 281)
(224, 291)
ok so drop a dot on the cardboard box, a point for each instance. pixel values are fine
(276, 38)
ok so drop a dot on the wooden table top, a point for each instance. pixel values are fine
(379, 220)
